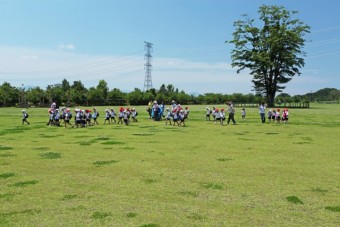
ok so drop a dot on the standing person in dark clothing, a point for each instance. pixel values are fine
(24, 117)
(231, 111)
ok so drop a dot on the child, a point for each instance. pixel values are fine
(186, 112)
(134, 114)
(67, 117)
(207, 116)
(222, 116)
(56, 117)
(168, 116)
(113, 114)
(24, 117)
(107, 116)
(213, 112)
(285, 116)
(51, 116)
(121, 115)
(216, 115)
(270, 114)
(175, 117)
(88, 117)
(126, 117)
(278, 116)
(182, 118)
(244, 114)
(95, 115)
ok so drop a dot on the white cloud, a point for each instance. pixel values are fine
(66, 47)
(29, 57)
(20, 65)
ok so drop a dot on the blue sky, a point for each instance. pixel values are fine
(44, 41)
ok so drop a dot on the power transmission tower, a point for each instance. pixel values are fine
(148, 66)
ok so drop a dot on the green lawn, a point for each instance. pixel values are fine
(151, 174)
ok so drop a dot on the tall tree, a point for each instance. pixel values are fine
(272, 51)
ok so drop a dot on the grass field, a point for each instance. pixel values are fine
(151, 174)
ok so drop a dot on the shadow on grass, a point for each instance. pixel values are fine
(333, 208)
(100, 215)
(112, 142)
(150, 225)
(294, 199)
(6, 175)
(212, 186)
(131, 215)
(7, 155)
(103, 163)
(27, 211)
(5, 148)
(50, 155)
(189, 193)
(25, 183)
(69, 197)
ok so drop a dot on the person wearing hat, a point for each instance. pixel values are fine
(270, 115)
(67, 117)
(56, 117)
(51, 117)
(120, 115)
(113, 114)
(107, 116)
(217, 116)
(222, 116)
(24, 117)
(134, 114)
(182, 118)
(168, 116)
(95, 115)
(278, 116)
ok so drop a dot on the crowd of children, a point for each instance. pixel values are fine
(219, 115)
(176, 115)
(87, 117)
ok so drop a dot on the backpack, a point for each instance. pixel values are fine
(26, 115)
(136, 113)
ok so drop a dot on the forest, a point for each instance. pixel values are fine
(74, 94)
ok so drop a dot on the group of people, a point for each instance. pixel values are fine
(273, 115)
(219, 115)
(176, 115)
(87, 117)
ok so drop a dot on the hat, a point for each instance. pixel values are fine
(68, 110)
(106, 110)
(23, 111)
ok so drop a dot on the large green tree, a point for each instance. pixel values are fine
(271, 48)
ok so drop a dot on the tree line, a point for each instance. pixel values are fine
(75, 94)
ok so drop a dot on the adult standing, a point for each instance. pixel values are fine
(231, 111)
(262, 111)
